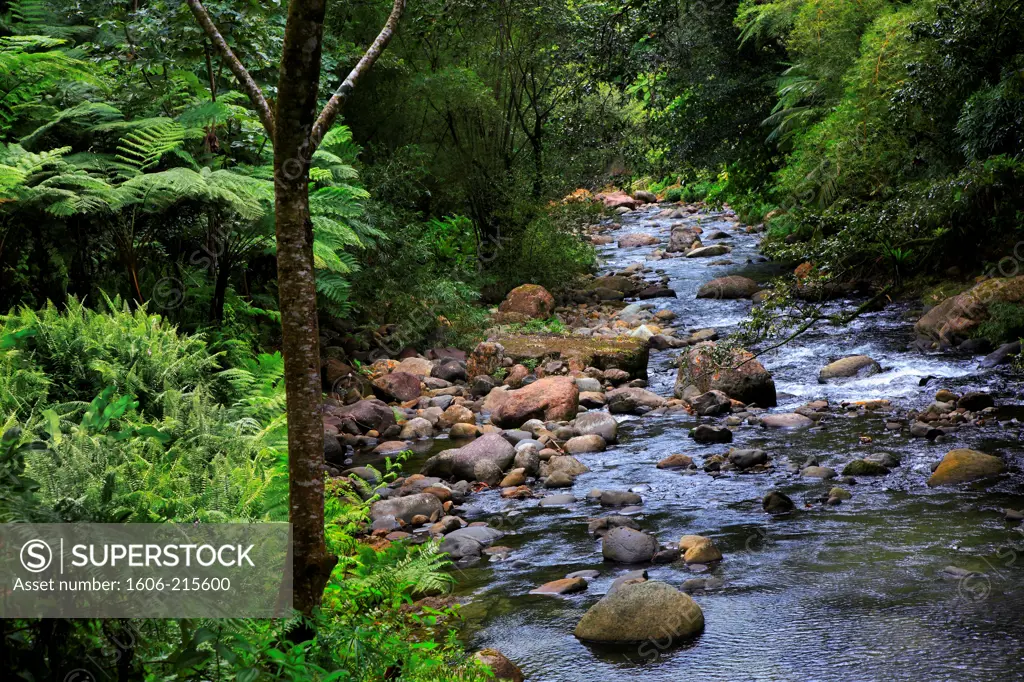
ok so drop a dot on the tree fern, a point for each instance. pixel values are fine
(150, 142)
(30, 67)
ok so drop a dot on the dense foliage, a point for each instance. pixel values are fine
(114, 416)
(138, 374)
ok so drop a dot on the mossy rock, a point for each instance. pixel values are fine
(963, 465)
(863, 467)
(629, 355)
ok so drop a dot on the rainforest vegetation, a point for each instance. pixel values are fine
(195, 206)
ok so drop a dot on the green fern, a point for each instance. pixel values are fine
(145, 147)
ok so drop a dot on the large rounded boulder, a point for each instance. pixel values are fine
(642, 611)
(397, 387)
(961, 466)
(530, 300)
(957, 317)
(405, 508)
(627, 546)
(736, 373)
(365, 415)
(597, 423)
(483, 459)
(729, 287)
(633, 400)
(549, 399)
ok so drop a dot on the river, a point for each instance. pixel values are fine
(852, 592)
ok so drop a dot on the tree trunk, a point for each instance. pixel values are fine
(295, 131)
(294, 117)
(220, 289)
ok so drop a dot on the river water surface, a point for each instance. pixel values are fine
(852, 592)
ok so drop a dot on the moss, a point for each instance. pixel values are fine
(630, 355)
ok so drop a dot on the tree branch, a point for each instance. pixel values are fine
(249, 86)
(333, 107)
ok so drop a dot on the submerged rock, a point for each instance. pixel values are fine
(852, 366)
(776, 502)
(864, 467)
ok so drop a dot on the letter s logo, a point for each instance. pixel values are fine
(36, 556)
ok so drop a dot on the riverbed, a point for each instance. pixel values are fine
(850, 592)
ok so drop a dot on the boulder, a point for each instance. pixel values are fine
(633, 240)
(584, 444)
(461, 548)
(562, 586)
(711, 434)
(631, 400)
(777, 503)
(558, 479)
(682, 239)
(485, 359)
(729, 287)
(786, 420)
(600, 527)
(698, 549)
(648, 611)
(458, 414)
(745, 458)
(483, 459)
(711, 403)
(617, 199)
(420, 367)
(708, 251)
(975, 401)
(597, 423)
(676, 461)
(577, 353)
(656, 292)
(551, 399)
(864, 467)
(531, 300)
(852, 366)
(958, 316)
(415, 428)
(628, 546)
(1002, 355)
(397, 387)
(405, 508)
(961, 466)
(499, 665)
(645, 197)
(823, 473)
(464, 431)
(739, 375)
(449, 369)
(566, 464)
(367, 415)
(619, 498)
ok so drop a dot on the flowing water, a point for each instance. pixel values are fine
(852, 592)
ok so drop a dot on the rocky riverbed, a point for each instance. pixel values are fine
(616, 517)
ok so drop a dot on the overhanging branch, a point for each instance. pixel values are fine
(246, 81)
(333, 107)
